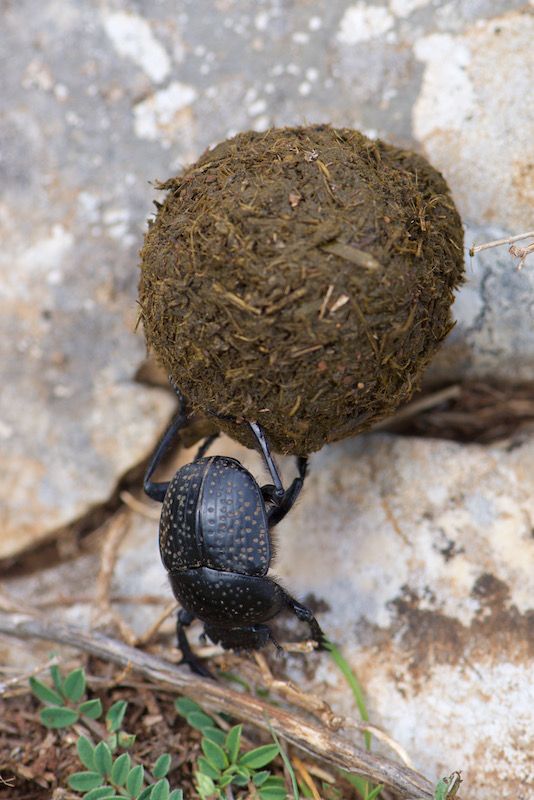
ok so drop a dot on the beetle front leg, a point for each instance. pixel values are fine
(283, 506)
(185, 618)
(303, 613)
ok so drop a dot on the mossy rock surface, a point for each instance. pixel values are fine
(302, 278)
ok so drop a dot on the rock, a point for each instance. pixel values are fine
(100, 101)
(417, 555)
(493, 338)
(422, 552)
(472, 119)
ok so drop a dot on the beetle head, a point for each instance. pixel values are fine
(252, 637)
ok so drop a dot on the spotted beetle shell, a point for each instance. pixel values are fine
(214, 516)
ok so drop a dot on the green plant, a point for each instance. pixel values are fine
(224, 765)
(365, 789)
(108, 774)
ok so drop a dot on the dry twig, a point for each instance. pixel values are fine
(315, 740)
(103, 611)
(517, 252)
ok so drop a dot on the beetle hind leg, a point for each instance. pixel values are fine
(185, 618)
(303, 613)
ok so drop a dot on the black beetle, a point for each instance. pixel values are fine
(216, 545)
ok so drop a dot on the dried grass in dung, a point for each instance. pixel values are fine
(302, 278)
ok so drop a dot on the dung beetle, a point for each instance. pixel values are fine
(215, 543)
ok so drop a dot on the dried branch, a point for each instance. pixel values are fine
(518, 252)
(317, 741)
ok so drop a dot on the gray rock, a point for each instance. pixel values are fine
(494, 336)
(423, 552)
(418, 554)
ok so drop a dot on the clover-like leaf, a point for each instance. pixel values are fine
(91, 708)
(162, 766)
(215, 754)
(260, 777)
(134, 781)
(185, 706)
(58, 716)
(57, 678)
(100, 793)
(74, 685)
(205, 785)
(115, 716)
(233, 742)
(260, 756)
(206, 768)
(85, 781)
(160, 790)
(199, 720)
(86, 752)
(176, 794)
(103, 759)
(44, 693)
(214, 735)
(121, 769)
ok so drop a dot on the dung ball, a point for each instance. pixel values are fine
(301, 278)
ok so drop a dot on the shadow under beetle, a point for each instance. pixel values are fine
(215, 543)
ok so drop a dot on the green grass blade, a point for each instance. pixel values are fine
(287, 763)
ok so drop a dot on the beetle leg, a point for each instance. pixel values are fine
(157, 490)
(283, 506)
(185, 618)
(259, 435)
(204, 447)
(304, 614)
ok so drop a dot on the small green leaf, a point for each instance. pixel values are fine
(260, 756)
(101, 793)
(214, 735)
(125, 740)
(205, 785)
(375, 792)
(274, 788)
(85, 781)
(103, 759)
(120, 769)
(45, 693)
(232, 743)
(134, 781)
(86, 752)
(199, 720)
(74, 685)
(215, 754)
(57, 679)
(160, 790)
(275, 793)
(145, 794)
(260, 777)
(58, 717)
(206, 768)
(176, 794)
(91, 708)
(162, 766)
(274, 782)
(225, 781)
(112, 742)
(115, 716)
(240, 780)
(185, 706)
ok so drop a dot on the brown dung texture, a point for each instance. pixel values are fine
(301, 278)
